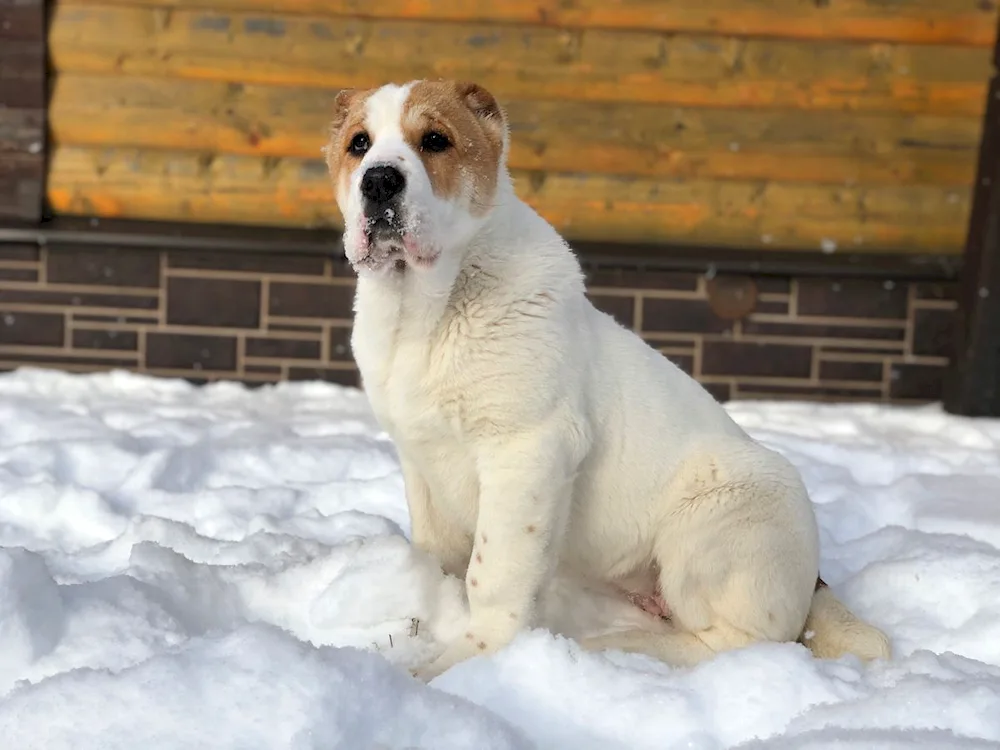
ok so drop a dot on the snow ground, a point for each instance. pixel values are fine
(226, 568)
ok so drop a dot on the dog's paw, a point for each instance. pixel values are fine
(453, 655)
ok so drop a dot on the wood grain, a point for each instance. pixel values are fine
(522, 62)
(205, 188)
(960, 22)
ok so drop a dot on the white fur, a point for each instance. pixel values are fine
(536, 434)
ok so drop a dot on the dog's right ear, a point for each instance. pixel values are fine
(341, 106)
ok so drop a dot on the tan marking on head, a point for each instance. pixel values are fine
(481, 645)
(484, 538)
(469, 635)
(530, 528)
(479, 557)
(473, 582)
(348, 120)
(469, 117)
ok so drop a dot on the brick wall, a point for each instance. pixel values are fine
(263, 317)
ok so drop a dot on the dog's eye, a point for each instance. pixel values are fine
(360, 144)
(434, 142)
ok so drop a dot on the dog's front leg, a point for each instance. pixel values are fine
(525, 486)
(428, 531)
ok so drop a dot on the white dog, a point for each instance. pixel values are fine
(535, 433)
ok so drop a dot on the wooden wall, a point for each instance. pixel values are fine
(817, 125)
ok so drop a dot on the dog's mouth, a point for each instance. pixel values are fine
(388, 246)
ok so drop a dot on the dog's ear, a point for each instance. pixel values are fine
(341, 106)
(486, 109)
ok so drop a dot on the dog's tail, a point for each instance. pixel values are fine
(832, 630)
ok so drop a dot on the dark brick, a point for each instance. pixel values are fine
(18, 274)
(838, 370)
(722, 392)
(262, 369)
(757, 360)
(943, 290)
(283, 348)
(621, 309)
(921, 382)
(933, 332)
(32, 329)
(190, 351)
(773, 284)
(754, 390)
(270, 263)
(140, 319)
(340, 344)
(294, 328)
(77, 299)
(772, 307)
(94, 362)
(683, 361)
(18, 251)
(820, 330)
(633, 279)
(327, 374)
(852, 298)
(222, 303)
(311, 300)
(105, 266)
(105, 339)
(682, 316)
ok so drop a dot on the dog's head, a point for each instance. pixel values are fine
(416, 169)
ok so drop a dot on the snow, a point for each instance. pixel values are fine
(220, 567)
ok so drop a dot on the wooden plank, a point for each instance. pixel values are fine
(972, 387)
(184, 186)
(960, 22)
(521, 62)
(612, 138)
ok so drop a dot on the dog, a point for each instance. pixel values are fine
(536, 434)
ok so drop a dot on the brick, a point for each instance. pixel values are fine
(621, 308)
(311, 300)
(218, 303)
(682, 316)
(340, 344)
(282, 348)
(635, 279)
(852, 298)
(919, 382)
(934, 332)
(757, 360)
(822, 330)
(18, 274)
(327, 374)
(77, 299)
(105, 339)
(18, 251)
(840, 370)
(269, 263)
(190, 351)
(32, 329)
(104, 266)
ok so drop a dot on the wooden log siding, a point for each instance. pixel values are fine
(521, 62)
(22, 109)
(673, 129)
(649, 140)
(961, 22)
(188, 186)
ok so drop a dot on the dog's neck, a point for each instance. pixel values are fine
(423, 295)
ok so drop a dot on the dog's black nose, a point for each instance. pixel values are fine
(381, 184)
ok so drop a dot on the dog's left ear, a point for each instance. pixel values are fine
(489, 113)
